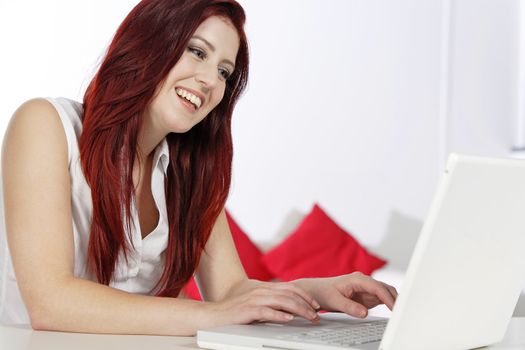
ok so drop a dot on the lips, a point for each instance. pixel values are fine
(196, 99)
(187, 104)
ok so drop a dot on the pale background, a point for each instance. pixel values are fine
(351, 104)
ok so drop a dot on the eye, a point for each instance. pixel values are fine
(197, 52)
(224, 73)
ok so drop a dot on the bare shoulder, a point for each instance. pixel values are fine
(35, 128)
(37, 115)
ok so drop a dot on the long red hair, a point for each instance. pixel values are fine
(148, 43)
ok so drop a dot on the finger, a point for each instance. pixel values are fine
(360, 283)
(369, 285)
(391, 290)
(296, 305)
(301, 292)
(290, 304)
(267, 314)
(367, 300)
(350, 307)
(296, 295)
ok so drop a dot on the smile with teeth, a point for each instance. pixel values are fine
(195, 100)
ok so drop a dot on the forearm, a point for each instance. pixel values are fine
(85, 306)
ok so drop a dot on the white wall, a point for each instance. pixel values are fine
(371, 154)
(484, 85)
(51, 48)
(344, 105)
(341, 109)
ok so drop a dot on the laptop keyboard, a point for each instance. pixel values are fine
(346, 336)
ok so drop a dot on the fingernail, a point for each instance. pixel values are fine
(316, 305)
(290, 317)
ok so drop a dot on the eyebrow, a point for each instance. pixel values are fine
(212, 48)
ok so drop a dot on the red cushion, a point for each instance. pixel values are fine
(319, 248)
(191, 291)
(249, 254)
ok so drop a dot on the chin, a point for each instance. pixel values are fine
(182, 128)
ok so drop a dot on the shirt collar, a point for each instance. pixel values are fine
(162, 154)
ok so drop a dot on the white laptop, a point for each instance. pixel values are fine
(461, 286)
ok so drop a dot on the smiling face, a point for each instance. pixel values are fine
(196, 84)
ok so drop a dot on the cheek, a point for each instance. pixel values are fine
(161, 106)
(217, 97)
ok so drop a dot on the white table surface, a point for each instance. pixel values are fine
(24, 338)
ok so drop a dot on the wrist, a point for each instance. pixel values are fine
(311, 286)
(305, 284)
(208, 314)
(243, 286)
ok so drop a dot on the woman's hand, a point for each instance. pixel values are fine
(353, 294)
(263, 301)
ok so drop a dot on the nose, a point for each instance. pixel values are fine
(207, 76)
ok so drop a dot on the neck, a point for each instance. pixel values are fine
(148, 139)
(145, 151)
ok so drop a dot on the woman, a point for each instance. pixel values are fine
(112, 206)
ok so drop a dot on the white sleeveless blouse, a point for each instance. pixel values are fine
(146, 261)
